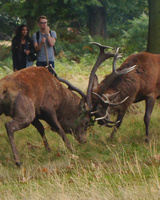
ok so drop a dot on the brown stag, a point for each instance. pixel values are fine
(142, 83)
(32, 94)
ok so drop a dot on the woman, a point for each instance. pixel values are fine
(22, 49)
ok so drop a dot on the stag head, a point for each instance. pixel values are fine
(82, 123)
(99, 102)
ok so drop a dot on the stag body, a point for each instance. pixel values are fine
(143, 83)
(32, 94)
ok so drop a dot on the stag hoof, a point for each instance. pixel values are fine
(147, 140)
(112, 136)
(70, 148)
(18, 164)
(47, 148)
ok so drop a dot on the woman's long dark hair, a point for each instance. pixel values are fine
(19, 33)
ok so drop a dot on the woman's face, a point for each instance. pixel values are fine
(24, 31)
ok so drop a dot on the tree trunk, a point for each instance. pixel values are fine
(153, 45)
(31, 23)
(97, 21)
(28, 16)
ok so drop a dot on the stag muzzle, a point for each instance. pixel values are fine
(81, 138)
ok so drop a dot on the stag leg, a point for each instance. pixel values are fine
(38, 125)
(51, 119)
(11, 127)
(149, 107)
(24, 113)
(119, 120)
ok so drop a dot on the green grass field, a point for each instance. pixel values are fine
(123, 168)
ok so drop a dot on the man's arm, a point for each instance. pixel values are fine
(51, 40)
(39, 46)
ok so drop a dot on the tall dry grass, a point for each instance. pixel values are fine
(125, 168)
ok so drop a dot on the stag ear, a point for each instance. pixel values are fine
(83, 105)
(95, 83)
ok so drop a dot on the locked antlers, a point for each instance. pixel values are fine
(105, 100)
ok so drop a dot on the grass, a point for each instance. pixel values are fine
(123, 168)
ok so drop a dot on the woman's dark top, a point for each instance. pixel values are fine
(19, 57)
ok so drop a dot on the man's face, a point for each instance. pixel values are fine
(43, 23)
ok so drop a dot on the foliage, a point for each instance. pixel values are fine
(135, 38)
(6, 61)
(71, 11)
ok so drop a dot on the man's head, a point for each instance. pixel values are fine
(42, 22)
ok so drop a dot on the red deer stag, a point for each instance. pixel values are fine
(142, 83)
(32, 94)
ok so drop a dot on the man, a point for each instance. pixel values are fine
(45, 35)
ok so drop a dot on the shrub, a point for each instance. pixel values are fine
(135, 39)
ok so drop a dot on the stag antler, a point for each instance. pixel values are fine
(105, 98)
(104, 119)
(116, 73)
(107, 101)
(101, 58)
(70, 86)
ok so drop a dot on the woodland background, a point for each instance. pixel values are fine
(126, 23)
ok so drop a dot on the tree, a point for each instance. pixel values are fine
(96, 15)
(97, 19)
(153, 45)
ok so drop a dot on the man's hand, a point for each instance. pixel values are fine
(43, 40)
(47, 30)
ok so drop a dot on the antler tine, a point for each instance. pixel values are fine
(114, 104)
(107, 101)
(116, 57)
(114, 74)
(106, 122)
(124, 71)
(70, 86)
(100, 118)
(110, 126)
(113, 96)
(102, 47)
